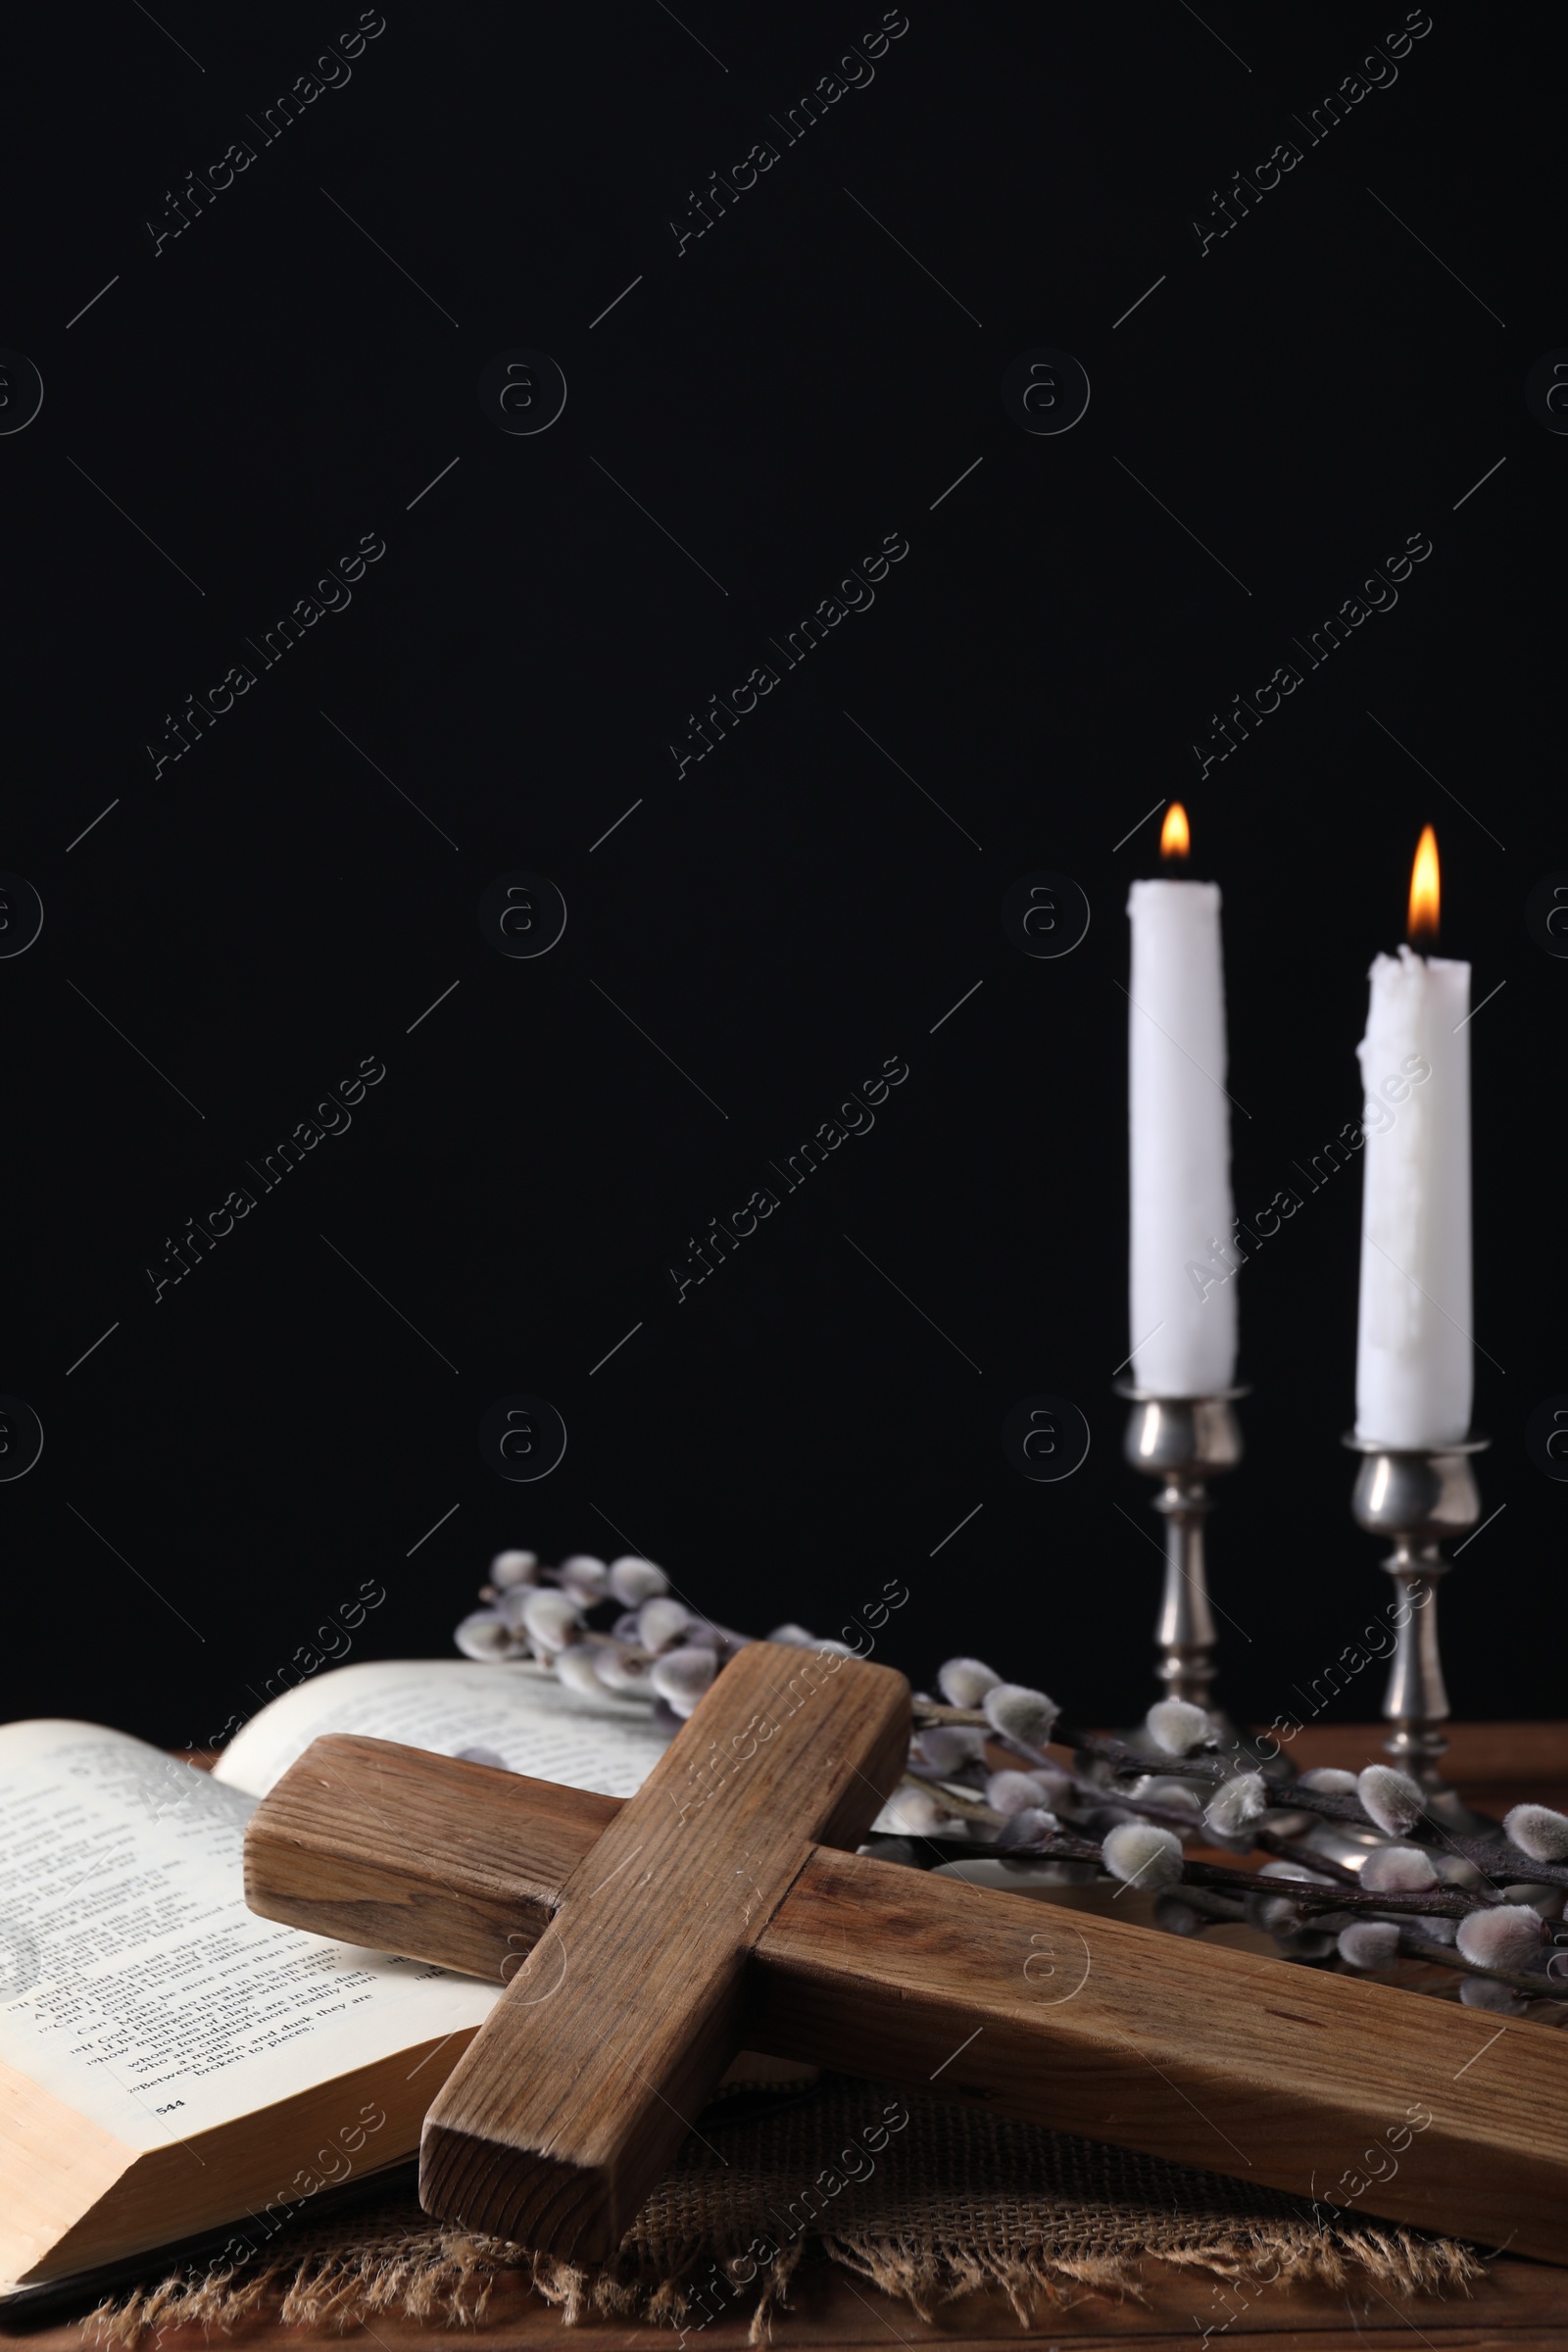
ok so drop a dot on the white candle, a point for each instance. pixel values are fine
(1413, 1371)
(1183, 1326)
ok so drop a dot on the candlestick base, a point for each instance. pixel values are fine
(1419, 1498)
(1184, 1442)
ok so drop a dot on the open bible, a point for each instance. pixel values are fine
(171, 2064)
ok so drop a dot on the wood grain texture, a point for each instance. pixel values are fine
(1277, 2074)
(408, 1853)
(613, 2035)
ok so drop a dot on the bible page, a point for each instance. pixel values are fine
(515, 1715)
(134, 1984)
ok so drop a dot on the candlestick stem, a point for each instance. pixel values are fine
(1183, 1440)
(1416, 1703)
(1418, 1500)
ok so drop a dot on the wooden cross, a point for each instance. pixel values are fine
(644, 1943)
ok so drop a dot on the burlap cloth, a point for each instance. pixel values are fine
(955, 2200)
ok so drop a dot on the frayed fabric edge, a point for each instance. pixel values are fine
(450, 2282)
(927, 2276)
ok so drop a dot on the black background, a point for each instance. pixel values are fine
(236, 1460)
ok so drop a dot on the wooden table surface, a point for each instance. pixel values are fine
(1519, 2307)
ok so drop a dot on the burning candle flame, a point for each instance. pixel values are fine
(1175, 835)
(1424, 891)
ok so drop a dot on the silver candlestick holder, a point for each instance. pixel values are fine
(1183, 1442)
(1419, 1499)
